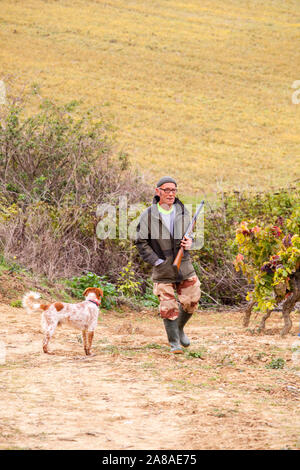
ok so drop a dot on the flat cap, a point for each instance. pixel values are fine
(165, 179)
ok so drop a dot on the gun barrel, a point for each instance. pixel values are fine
(179, 256)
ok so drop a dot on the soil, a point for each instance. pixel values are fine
(222, 393)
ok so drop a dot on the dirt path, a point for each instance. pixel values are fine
(134, 395)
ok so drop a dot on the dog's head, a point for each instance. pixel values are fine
(96, 290)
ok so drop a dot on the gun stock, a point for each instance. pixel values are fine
(178, 259)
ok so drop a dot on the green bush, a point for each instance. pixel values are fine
(78, 285)
(127, 283)
(149, 299)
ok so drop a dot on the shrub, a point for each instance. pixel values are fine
(269, 255)
(55, 168)
(127, 283)
(213, 263)
(78, 285)
(149, 299)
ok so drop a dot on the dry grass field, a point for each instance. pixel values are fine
(199, 89)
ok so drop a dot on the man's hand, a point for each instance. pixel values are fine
(186, 243)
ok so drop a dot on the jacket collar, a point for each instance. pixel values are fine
(179, 207)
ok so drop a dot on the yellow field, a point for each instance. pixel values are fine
(201, 89)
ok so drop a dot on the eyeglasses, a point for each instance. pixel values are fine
(169, 190)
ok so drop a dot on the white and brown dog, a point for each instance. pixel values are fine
(82, 316)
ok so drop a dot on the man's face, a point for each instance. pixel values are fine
(167, 193)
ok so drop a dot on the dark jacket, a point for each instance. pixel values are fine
(154, 241)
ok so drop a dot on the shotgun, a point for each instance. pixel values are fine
(179, 256)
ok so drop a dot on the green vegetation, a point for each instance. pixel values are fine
(195, 354)
(127, 283)
(78, 285)
(276, 364)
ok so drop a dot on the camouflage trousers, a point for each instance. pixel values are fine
(188, 292)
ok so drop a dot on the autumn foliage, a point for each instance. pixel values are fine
(269, 255)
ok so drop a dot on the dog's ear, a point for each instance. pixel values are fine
(99, 292)
(87, 291)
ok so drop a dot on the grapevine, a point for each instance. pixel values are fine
(269, 255)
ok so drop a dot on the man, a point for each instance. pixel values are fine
(160, 233)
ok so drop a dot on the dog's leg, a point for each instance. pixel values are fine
(90, 337)
(47, 336)
(84, 338)
(45, 342)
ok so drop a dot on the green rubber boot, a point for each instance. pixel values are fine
(172, 331)
(183, 318)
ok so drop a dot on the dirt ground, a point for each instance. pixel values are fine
(133, 394)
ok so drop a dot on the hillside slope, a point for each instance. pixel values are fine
(199, 89)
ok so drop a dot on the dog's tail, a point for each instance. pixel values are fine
(31, 304)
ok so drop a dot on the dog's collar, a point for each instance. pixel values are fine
(96, 302)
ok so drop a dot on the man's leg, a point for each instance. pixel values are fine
(169, 312)
(189, 294)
